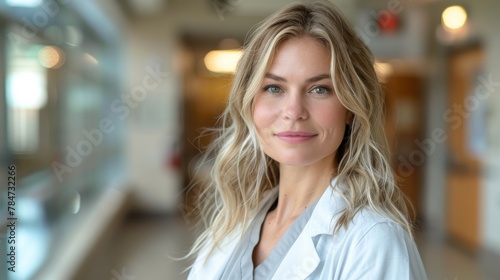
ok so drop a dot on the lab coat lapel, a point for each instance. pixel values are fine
(302, 258)
(300, 261)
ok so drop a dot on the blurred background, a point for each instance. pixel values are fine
(102, 102)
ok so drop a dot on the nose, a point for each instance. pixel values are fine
(294, 107)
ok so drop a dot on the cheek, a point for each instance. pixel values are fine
(263, 115)
(331, 117)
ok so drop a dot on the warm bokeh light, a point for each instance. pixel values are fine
(223, 61)
(383, 70)
(454, 17)
(51, 57)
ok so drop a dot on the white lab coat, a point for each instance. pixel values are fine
(372, 247)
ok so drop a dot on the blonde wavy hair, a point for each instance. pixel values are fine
(241, 173)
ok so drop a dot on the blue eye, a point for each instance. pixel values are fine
(321, 90)
(272, 89)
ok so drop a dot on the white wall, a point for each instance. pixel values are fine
(489, 22)
(154, 125)
(434, 189)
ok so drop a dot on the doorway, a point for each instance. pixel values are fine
(463, 170)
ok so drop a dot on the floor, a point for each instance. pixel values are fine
(445, 261)
(145, 247)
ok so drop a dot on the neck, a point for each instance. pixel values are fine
(299, 187)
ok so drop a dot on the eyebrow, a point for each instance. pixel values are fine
(310, 80)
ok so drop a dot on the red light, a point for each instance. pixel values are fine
(388, 23)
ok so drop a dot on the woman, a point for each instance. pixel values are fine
(301, 186)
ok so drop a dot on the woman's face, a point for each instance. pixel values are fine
(299, 119)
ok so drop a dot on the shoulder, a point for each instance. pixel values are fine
(376, 235)
(375, 245)
(369, 226)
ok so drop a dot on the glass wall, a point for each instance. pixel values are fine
(59, 77)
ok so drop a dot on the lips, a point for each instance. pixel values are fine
(295, 136)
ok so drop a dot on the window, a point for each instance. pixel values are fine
(26, 94)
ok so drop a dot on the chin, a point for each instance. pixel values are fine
(294, 161)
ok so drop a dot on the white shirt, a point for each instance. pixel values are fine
(372, 247)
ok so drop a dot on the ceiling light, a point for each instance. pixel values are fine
(223, 61)
(51, 57)
(454, 17)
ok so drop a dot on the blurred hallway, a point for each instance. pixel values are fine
(102, 105)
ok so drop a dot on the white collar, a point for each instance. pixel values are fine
(323, 218)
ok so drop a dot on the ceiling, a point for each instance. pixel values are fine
(207, 22)
(145, 8)
(209, 18)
